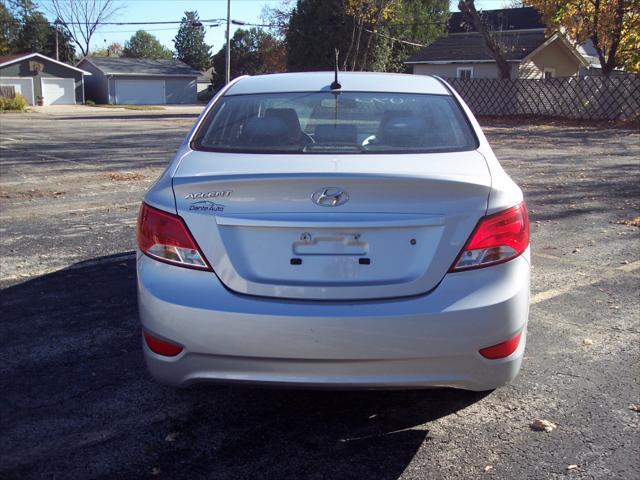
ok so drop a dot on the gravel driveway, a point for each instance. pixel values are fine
(78, 403)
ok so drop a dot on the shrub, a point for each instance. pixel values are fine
(90, 103)
(17, 103)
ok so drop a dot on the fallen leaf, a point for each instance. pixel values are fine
(587, 341)
(543, 425)
(576, 250)
(488, 468)
(635, 407)
(126, 176)
(171, 437)
(572, 467)
(631, 223)
(155, 471)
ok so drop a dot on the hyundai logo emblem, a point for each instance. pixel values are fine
(330, 197)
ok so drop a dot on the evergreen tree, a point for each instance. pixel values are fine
(34, 33)
(316, 27)
(26, 29)
(189, 43)
(9, 27)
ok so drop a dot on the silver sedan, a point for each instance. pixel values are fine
(359, 234)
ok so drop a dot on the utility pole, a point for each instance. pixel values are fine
(57, 24)
(227, 76)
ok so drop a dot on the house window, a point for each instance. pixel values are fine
(549, 72)
(465, 73)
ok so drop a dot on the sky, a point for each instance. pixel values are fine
(173, 10)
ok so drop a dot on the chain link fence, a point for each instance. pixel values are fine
(615, 98)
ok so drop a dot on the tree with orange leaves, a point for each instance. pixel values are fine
(612, 25)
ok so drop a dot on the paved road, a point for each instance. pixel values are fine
(78, 403)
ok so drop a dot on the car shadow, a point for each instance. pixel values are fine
(78, 402)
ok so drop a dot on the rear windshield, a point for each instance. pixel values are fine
(325, 122)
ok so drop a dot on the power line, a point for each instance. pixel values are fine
(216, 22)
(135, 31)
(173, 22)
(395, 39)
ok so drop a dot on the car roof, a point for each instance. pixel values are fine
(350, 82)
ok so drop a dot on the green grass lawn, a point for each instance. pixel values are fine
(132, 107)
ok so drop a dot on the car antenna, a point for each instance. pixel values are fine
(335, 85)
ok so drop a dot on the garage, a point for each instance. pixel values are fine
(58, 91)
(43, 80)
(140, 92)
(139, 81)
(23, 86)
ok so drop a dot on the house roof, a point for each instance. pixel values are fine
(505, 19)
(141, 66)
(470, 47)
(18, 57)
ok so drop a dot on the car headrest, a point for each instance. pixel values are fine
(402, 128)
(265, 132)
(288, 116)
(336, 134)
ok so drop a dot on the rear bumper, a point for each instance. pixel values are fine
(425, 341)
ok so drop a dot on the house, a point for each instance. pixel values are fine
(36, 76)
(530, 53)
(139, 81)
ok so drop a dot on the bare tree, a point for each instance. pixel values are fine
(82, 18)
(471, 15)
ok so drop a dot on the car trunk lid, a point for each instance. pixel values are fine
(273, 227)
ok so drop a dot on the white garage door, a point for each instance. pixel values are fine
(140, 92)
(59, 91)
(23, 86)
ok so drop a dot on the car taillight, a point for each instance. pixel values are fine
(160, 346)
(497, 238)
(502, 349)
(165, 237)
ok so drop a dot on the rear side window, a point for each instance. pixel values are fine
(326, 122)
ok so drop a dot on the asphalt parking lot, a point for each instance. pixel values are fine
(77, 401)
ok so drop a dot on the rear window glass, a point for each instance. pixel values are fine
(325, 122)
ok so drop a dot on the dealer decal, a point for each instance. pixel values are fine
(206, 206)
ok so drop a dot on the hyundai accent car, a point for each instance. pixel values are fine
(357, 233)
